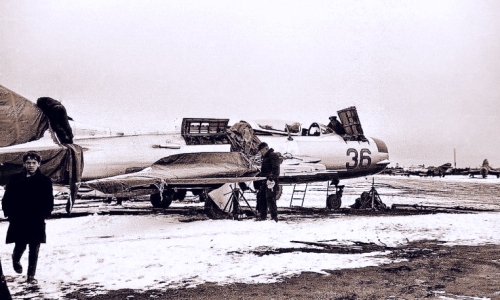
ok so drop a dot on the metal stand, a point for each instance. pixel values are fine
(233, 206)
(375, 198)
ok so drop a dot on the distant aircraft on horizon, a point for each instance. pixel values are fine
(422, 170)
(484, 170)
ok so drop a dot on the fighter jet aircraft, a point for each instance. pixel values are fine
(322, 156)
(309, 156)
(484, 170)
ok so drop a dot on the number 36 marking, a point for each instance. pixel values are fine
(363, 159)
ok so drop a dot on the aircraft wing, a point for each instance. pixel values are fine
(309, 177)
(303, 169)
(290, 159)
(62, 163)
(484, 172)
(204, 169)
(494, 172)
(474, 172)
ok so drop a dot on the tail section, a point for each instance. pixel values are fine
(486, 164)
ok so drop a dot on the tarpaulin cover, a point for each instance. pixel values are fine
(21, 120)
(63, 164)
(58, 118)
(195, 166)
(243, 139)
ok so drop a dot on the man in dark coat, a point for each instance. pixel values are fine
(336, 126)
(266, 195)
(27, 202)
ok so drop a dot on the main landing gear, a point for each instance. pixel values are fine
(334, 201)
(164, 200)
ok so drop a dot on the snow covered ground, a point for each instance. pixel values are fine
(104, 252)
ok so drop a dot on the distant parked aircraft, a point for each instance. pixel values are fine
(484, 170)
(421, 170)
(441, 171)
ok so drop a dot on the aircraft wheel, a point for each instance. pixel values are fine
(179, 195)
(157, 202)
(202, 197)
(332, 202)
(197, 192)
(167, 200)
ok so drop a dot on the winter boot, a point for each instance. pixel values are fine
(16, 264)
(31, 280)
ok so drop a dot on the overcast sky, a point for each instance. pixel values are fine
(424, 75)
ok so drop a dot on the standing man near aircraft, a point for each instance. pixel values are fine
(27, 202)
(336, 126)
(266, 196)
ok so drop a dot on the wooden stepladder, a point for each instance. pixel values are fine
(298, 193)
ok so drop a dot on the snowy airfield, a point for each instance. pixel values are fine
(155, 251)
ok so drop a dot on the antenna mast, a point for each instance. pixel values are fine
(454, 158)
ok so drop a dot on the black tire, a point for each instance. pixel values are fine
(167, 200)
(157, 202)
(333, 202)
(197, 192)
(179, 195)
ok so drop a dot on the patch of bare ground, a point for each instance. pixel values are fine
(430, 270)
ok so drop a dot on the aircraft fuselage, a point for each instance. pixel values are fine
(349, 158)
(110, 156)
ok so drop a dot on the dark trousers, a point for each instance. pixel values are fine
(266, 199)
(19, 249)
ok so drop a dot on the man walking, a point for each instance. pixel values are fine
(266, 196)
(27, 202)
